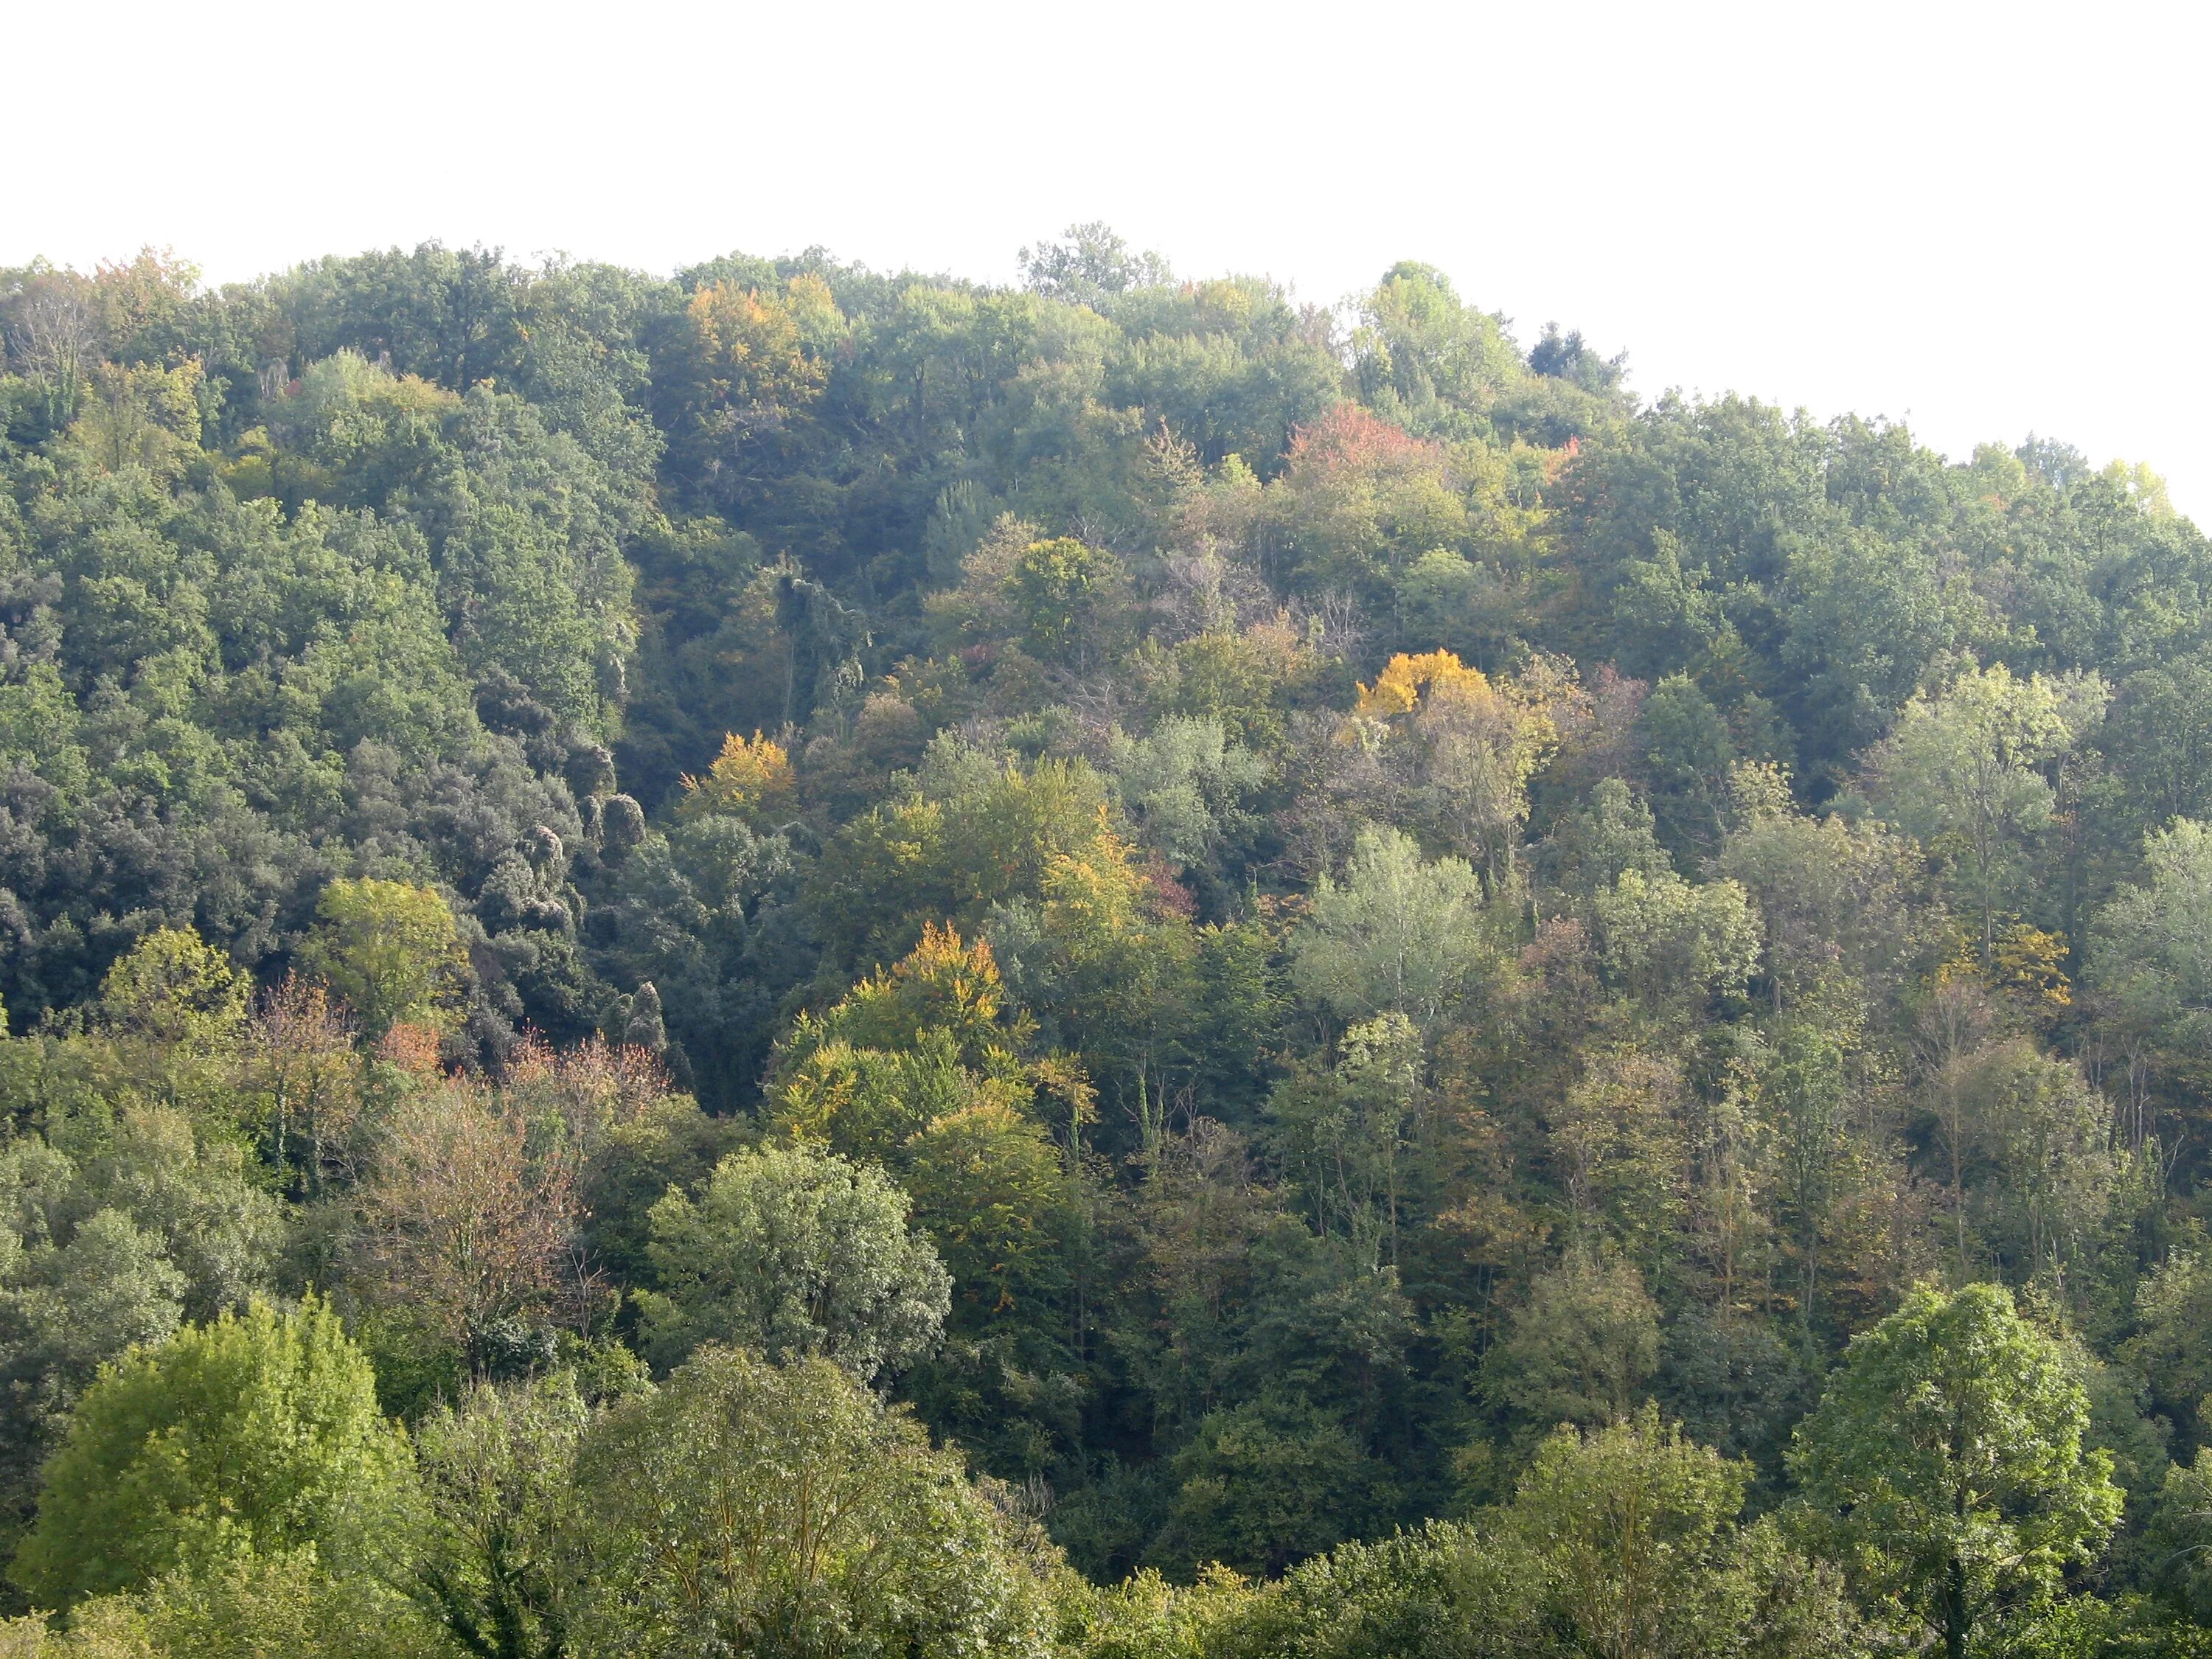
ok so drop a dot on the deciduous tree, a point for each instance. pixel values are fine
(1947, 1466)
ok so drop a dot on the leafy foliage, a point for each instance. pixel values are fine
(1328, 946)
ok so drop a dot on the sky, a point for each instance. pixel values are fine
(1984, 220)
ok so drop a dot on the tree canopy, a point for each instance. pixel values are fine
(830, 959)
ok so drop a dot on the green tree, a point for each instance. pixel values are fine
(1832, 894)
(174, 989)
(503, 1539)
(782, 1510)
(1582, 1349)
(1945, 1466)
(146, 418)
(71, 1300)
(2045, 1138)
(795, 1251)
(993, 1192)
(176, 1008)
(289, 1604)
(2179, 1537)
(1634, 1533)
(1187, 785)
(1869, 620)
(1593, 846)
(1145, 1617)
(2158, 740)
(2172, 1341)
(389, 951)
(1108, 975)
(253, 1434)
(1686, 752)
(2150, 955)
(1060, 590)
(1400, 935)
(1266, 1484)
(1422, 357)
(1672, 944)
(1803, 1090)
(194, 1190)
(978, 834)
(1962, 772)
(1344, 1138)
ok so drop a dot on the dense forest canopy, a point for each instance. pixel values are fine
(802, 961)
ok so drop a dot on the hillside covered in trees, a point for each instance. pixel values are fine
(800, 962)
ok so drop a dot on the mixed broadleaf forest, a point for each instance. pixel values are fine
(798, 962)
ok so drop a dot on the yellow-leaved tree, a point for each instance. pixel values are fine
(749, 780)
(926, 1067)
(1470, 745)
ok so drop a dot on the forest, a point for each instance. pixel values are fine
(800, 961)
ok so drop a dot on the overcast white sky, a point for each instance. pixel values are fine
(1984, 218)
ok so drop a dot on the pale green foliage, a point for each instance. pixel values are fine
(1632, 1532)
(780, 1510)
(1185, 784)
(1831, 898)
(1669, 942)
(1441, 1589)
(67, 1309)
(80, 1279)
(175, 1008)
(154, 1225)
(192, 1190)
(174, 988)
(251, 1434)
(1945, 1467)
(1422, 357)
(1440, 598)
(1803, 1089)
(1962, 773)
(288, 1605)
(147, 417)
(155, 1222)
(2151, 945)
(2045, 1137)
(1400, 934)
(75, 1304)
(1145, 1617)
(795, 1251)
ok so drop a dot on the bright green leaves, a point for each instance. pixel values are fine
(388, 949)
(255, 1434)
(1947, 1463)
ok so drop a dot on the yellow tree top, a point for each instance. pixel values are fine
(748, 779)
(1399, 688)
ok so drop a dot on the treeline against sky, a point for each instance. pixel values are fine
(795, 960)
